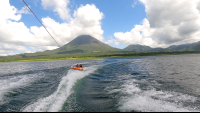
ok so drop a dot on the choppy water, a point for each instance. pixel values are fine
(153, 83)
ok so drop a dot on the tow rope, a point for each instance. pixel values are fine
(40, 22)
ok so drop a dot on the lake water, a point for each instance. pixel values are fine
(142, 84)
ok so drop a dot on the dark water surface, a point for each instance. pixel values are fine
(146, 84)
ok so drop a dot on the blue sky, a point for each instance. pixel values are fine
(118, 23)
(119, 15)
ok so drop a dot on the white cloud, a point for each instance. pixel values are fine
(60, 32)
(87, 16)
(12, 31)
(8, 12)
(11, 49)
(170, 22)
(58, 6)
(87, 20)
(17, 35)
(24, 10)
(134, 3)
(112, 41)
(35, 2)
(140, 34)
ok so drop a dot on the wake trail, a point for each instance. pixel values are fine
(55, 101)
(7, 85)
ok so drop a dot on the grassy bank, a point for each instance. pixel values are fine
(49, 59)
(130, 54)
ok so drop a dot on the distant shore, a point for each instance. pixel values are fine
(102, 56)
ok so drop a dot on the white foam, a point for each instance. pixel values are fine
(132, 98)
(7, 85)
(147, 104)
(54, 102)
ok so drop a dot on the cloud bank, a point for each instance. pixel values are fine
(168, 22)
(60, 7)
(15, 37)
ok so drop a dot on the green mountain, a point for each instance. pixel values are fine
(83, 45)
(183, 47)
(138, 48)
(141, 48)
(87, 46)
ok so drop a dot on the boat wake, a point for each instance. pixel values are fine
(55, 101)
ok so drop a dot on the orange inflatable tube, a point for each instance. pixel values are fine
(78, 68)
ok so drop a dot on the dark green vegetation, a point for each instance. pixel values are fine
(175, 48)
(85, 46)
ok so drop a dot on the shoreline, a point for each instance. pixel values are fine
(97, 57)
